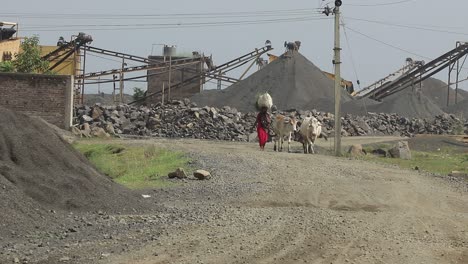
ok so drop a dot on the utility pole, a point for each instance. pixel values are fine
(337, 63)
(170, 78)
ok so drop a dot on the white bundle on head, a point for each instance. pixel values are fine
(264, 100)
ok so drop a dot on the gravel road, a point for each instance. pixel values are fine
(267, 207)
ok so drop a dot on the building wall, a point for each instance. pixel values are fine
(46, 96)
(155, 82)
(8, 49)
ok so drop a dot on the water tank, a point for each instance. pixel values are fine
(169, 50)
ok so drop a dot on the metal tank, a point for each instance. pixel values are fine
(169, 51)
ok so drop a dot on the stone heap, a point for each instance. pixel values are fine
(185, 119)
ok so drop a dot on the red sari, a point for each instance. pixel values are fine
(262, 131)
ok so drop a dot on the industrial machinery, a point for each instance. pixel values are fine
(420, 73)
(7, 30)
(410, 64)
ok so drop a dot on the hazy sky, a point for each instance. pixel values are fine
(421, 29)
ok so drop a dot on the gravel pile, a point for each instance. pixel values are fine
(292, 80)
(185, 119)
(39, 172)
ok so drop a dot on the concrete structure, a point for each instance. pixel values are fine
(47, 96)
(157, 79)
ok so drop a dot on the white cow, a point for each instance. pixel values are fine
(283, 126)
(310, 130)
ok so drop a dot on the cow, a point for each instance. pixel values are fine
(310, 130)
(292, 46)
(283, 126)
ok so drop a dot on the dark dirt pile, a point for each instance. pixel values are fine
(408, 104)
(38, 170)
(459, 109)
(293, 82)
(436, 90)
(404, 103)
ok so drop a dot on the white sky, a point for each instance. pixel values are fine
(424, 29)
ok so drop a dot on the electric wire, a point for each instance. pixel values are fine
(381, 4)
(387, 44)
(425, 28)
(164, 16)
(351, 54)
(188, 25)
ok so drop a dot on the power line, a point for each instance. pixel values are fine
(382, 4)
(170, 24)
(408, 26)
(351, 54)
(188, 25)
(387, 44)
(109, 59)
(168, 15)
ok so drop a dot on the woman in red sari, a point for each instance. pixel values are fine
(263, 125)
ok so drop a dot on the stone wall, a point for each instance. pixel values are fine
(47, 96)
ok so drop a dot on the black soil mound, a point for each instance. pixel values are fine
(459, 109)
(436, 90)
(293, 82)
(39, 170)
(408, 104)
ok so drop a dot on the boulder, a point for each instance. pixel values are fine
(179, 173)
(401, 151)
(99, 132)
(202, 174)
(356, 150)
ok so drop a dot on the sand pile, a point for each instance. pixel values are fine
(292, 81)
(39, 170)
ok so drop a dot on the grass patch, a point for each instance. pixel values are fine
(133, 166)
(441, 162)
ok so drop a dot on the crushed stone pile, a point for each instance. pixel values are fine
(38, 170)
(184, 119)
(408, 104)
(460, 109)
(436, 91)
(431, 101)
(292, 80)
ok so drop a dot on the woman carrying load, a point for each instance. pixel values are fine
(263, 120)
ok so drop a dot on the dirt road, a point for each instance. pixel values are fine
(295, 208)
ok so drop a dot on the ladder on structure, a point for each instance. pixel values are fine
(79, 82)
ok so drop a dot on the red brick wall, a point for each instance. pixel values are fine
(46, 96)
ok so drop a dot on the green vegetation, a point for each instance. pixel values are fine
(7, 66)
(442, 162)
(29, 60)
(138, 93)
(133, 166)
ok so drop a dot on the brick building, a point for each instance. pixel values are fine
(188, 72)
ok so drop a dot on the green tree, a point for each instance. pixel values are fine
(29, 60)
(138, 93)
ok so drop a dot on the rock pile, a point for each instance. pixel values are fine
(185, 119)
